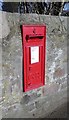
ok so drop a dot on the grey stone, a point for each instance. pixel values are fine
(5, 26)
(31, 107)
(25, 99)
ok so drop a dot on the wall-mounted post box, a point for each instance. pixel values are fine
(34, 37)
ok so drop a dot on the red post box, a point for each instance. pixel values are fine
(34, 37)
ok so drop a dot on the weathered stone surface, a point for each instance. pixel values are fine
(5, 26)
(36, 102)
(58, 73)
(25, 99)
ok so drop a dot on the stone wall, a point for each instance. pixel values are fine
(41, 101)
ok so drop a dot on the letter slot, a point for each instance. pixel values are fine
(34, 36)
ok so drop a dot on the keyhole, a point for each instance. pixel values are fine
(29, 68)
(34, 31)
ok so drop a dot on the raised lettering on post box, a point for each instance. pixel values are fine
(34, 43)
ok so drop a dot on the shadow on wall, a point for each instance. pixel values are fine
(53, 8)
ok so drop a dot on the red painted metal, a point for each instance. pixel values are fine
(34, 43)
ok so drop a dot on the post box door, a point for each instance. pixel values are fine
(33, 56)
